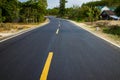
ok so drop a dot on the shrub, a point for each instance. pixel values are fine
(115, 30)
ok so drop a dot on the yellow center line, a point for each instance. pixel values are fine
(46, 67)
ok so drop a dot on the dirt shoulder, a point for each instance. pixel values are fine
(98, 31)
(11, 29)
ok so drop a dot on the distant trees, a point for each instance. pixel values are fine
(30, 11)
(83, 13)
(112, 2)
(33, 11)
(96, 3)
(103, 3)
(73, 13)
(54, 11)
(89, 11)
(62, 8)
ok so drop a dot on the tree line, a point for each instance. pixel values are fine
(35, 10)
(86, 12)
(16, 11)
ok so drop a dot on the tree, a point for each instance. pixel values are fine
(62, 8)
(30, 11)
(84, 13)
(73, 13)
(9, 10)
(112, 2)
(33, 11)
(103, 3)
(53, 11)
(96, 3)
(118, 10)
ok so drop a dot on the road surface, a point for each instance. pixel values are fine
(77, 54)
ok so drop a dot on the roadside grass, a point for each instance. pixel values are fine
(107, 29)
(13, 27)
(6, 26)
(114, 30)
(8, 29)
(114, 38)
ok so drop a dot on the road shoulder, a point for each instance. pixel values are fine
(96, 33)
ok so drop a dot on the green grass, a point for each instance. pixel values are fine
(114, 30)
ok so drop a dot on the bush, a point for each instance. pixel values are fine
(117, 10)
(115, 30)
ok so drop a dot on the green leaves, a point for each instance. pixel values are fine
(30, 11)
(83, 13)
(53, 11)
(9, 10)
(62, 8)
(118, 10)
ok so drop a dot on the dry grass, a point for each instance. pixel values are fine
(105, 24)
(8, 29)
(13, 27)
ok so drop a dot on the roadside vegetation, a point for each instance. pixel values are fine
(90, 13)
(14, 27)
(115, 30)
(14, 12)
(108, 29)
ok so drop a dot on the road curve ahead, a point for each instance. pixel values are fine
(58, 51)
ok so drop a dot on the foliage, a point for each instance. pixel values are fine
(118, 10)
(112, 2)
(33, 11)
(83, 13)
(89, 11)
(62, 8)
(9, 10)
(96, 3)
(73, 13)
(103, 3)
(115, 30)
(53, 11)
(30, 11)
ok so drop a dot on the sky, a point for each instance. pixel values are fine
(55, 3)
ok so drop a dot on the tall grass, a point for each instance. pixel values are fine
(5, 26)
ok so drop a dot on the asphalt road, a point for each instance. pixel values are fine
(77, 54)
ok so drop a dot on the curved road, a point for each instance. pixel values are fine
(77, 54)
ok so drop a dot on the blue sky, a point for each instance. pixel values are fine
(55, 3)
